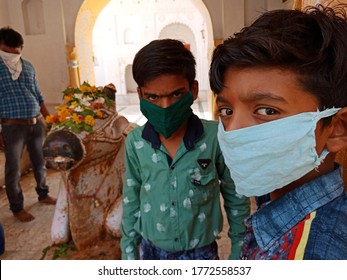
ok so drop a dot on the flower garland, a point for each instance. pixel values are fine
(82, 106)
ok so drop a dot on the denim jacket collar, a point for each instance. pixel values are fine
(275, 218)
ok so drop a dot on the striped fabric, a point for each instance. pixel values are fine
(300, 241)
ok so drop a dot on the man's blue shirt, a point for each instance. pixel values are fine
(21, 98)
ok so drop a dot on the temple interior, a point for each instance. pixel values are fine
(74, 41)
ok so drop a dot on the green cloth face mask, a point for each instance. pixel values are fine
(167, 120)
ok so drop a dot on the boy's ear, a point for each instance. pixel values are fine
(195, 89)
(338, 137)
(139, 92)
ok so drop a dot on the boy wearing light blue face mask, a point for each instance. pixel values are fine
(281, 87)
(175, 170)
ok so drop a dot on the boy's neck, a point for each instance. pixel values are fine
(327, 166)
(173, 142)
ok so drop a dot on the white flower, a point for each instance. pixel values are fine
(78, 109)
(202, 217)
(126, 200)
(194, 242)
(195, 174)
(137, 214)
(203, 147)
(156, 158)
(173, 212)
(146, 207)
(160, 227)
(147, 187)
(78, 95)
(187, 203)
(129, 249)
(130, 182)
(84, 102)
(138, 145)
(163, 207)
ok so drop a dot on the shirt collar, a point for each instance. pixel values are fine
(194, 131)
(276, 218)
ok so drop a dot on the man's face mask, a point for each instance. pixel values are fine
(269, 156)
(167, 120)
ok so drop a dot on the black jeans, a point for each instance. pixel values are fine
(15, 138)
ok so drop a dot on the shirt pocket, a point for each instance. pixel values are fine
(204, 185)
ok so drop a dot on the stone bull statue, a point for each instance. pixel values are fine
(89, 204)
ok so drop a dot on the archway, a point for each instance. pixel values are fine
(85, 22)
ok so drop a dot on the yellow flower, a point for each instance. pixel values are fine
(74, 104)
(76, 118)
(84, 88)
(62, 108)
(89, 120)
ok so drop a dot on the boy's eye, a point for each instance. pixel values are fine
(266, 111)
(225, 112)
(152, 97)
(177, 94)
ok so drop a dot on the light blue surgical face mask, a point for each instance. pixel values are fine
(269, 156)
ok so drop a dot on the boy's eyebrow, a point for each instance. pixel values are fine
(164, 95)
(259, 96)
(262, 96)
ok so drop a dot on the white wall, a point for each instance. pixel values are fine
(4, 17)
(46, 51)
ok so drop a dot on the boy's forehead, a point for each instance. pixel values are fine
(264, 85)
(165, 84)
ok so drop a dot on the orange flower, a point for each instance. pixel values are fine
(89, 120)
(67, 98)
(49, 119)
(63, 115)
(99, 114)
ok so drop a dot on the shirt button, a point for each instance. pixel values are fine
(173, 203)
(176, 239)
(172, 167)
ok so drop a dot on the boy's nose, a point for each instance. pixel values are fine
(165, 102)
(235, 122)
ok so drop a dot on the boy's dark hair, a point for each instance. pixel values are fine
(10, 38)
(311, 43)
(165, 56)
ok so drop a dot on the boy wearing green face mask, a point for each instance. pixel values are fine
(281, 86)
(175, 170)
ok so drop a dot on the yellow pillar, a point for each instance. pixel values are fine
(298, 5)
(73, 69)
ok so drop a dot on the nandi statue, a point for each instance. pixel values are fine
(86, 143)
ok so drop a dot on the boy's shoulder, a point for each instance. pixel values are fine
(328, 234)
(136, 132)
(209, 124)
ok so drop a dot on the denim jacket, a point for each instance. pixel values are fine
(309, 222)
